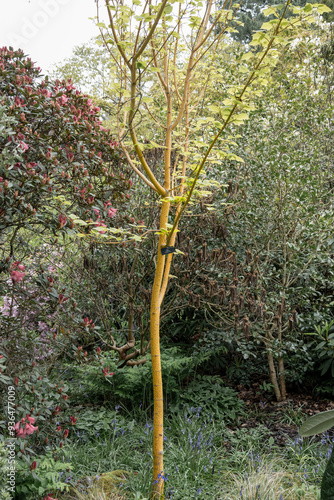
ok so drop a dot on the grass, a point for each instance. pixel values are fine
(213, 450)
(269, 481)
(204, 459)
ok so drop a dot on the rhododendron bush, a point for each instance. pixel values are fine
(61, 172)
(58, 166)
(56, 157)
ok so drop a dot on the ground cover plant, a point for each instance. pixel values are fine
(209, 456)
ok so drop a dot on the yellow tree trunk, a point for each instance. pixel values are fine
(158, 429)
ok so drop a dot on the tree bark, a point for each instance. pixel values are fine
(158, 430)
(272, 372)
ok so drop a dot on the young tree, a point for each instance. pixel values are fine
(165, 55)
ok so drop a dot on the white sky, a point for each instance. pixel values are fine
(46, 30)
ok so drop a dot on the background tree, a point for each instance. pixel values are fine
(251, 16)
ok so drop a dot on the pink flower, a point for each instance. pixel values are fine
(24, 429)
(24, 146)
(112, 212)
(17, 276)
(19, 431)
(30, 429)
(63, 99)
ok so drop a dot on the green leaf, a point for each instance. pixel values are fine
(168, 9)
(327, 484)
(323, 8)
(308, 7)
(325, 366)
(317, 424)
(148, 100)
(269, 11)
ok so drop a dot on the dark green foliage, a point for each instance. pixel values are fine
(47, 477)
(324, 347)
(327, 485)
(209, 393)
(132, 388)
(251, 16)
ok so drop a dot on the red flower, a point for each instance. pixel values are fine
(62, 220)
(61, 298)
(33, 465)
(65, 434)
(98, 350)
(106, 372)
(23, 146)
(73, 420)
(16, 381)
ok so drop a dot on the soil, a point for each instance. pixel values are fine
(279, 418)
